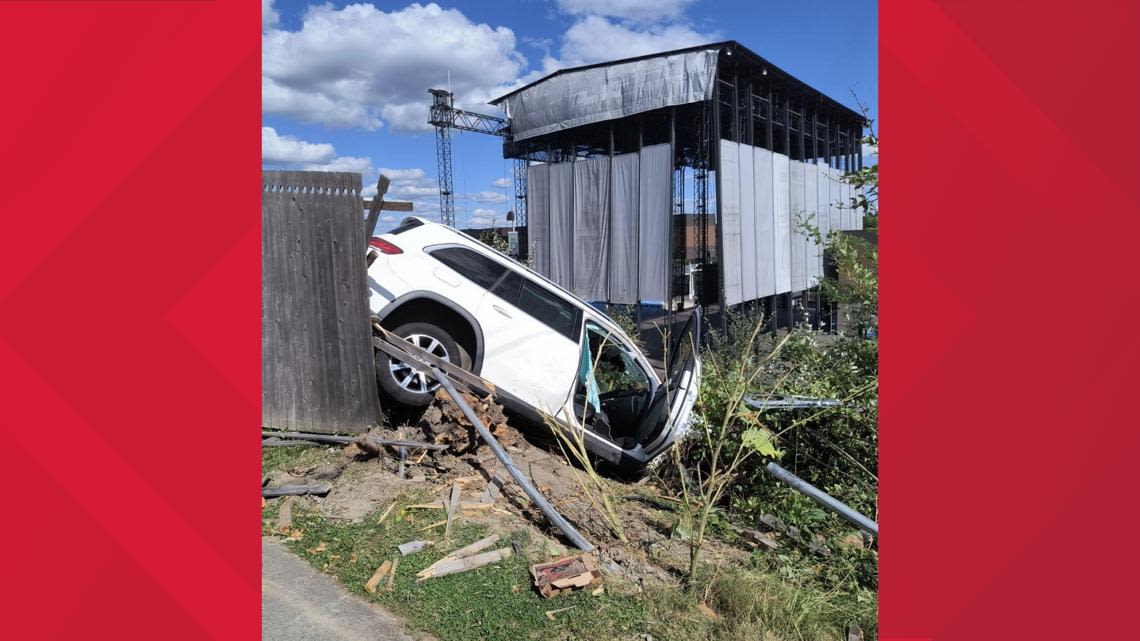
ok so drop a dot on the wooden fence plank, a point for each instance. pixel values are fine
(317, 364)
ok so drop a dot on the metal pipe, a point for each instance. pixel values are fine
(789, 402)
(536, 496)
(333, 439)
(824, 499)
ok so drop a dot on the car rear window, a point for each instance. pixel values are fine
(478, 269)
(549, 309)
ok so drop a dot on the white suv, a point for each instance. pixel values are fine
(547, 352)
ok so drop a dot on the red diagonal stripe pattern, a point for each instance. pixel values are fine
(1011, 192)
(129, 318)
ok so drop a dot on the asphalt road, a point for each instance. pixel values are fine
(300, 604)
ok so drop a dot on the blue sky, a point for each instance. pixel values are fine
(344, 86)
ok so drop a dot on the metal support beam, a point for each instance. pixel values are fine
(824, 499)
(520, 191)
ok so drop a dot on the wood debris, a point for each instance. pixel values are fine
(454, 503)
(454, 566)
(374, 580)
(565, 574)
(392, 574)
(285, 516)
(550, 613)
(463, 552)
(383, 516)
(433, 525)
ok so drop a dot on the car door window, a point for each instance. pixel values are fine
(478, 269)
(551, 310)
(508, 287)
(614, 368)
(612, 381)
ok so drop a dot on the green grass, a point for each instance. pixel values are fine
(498, 602)
(283, 458)
(495, 602)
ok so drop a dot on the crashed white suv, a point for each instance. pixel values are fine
(547, 352)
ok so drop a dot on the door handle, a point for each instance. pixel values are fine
(501, 310)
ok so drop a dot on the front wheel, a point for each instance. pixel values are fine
(408, 385)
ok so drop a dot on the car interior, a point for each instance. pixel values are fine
(613, 391)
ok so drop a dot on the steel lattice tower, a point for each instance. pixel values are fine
(445, 117)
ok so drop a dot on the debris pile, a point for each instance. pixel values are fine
(444, 422)
(566, 574)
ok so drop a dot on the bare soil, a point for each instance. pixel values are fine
(362, 484)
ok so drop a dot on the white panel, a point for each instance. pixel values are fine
(561, 222)
(782, 220)
(623, 229)
(845, 199)
(765, 222)
(729, 210)
(747, 224)
(857, 223)
(591, 228)
(811, 218)
(835, 195)
(655, 205)
(823, 194)
(538, 217)
(799, 246)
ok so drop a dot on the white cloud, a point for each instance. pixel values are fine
(363, 67)
(269, 16)
(483, 217)
(414, 185)
(870, 151)
(289, 152)
(640, 10)
(277, 149)
(485, 197)
(501, 182)
(596, 39)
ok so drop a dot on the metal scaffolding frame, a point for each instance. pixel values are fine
(445, 117)
(754, 103)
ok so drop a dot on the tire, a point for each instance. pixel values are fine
(406, 385)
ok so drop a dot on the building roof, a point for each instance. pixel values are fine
(730, 47)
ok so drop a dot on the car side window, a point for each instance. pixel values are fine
(478, 269)
(508, 287)
(549, 309)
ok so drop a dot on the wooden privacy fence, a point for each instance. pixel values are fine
(317, 370)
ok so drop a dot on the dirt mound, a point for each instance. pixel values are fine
(444, 422)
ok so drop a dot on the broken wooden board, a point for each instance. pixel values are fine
(285, 516)
(550, 613)
(374, 580)
(568, 573)
(452, 504)
(456, 566)
(466, 551)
